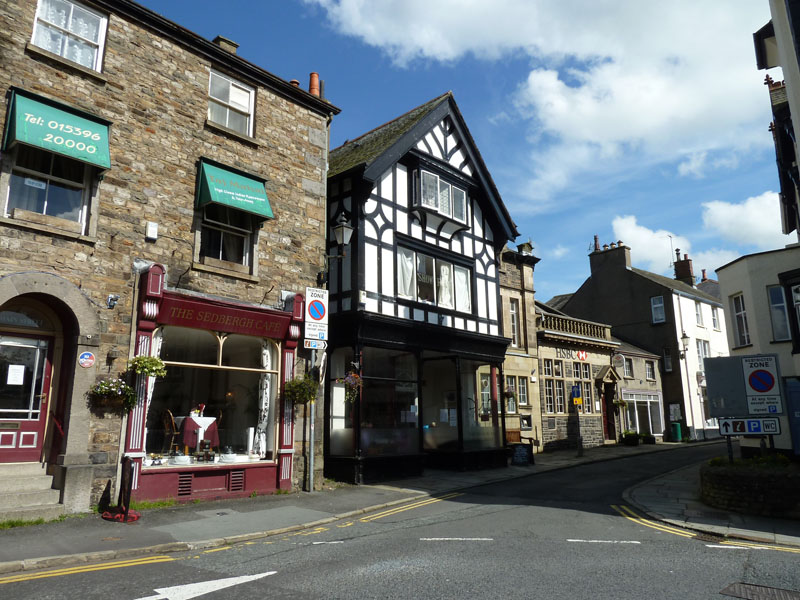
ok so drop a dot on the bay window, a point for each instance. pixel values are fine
(446, 199)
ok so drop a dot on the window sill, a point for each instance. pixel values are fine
(224, 269)
(742, 346)
(787, 341)
(60, 60)
(245, 139)
(44, 224)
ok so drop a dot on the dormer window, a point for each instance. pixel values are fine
(446, 199)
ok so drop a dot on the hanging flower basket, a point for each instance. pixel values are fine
(352, 385)
(112, 395)
(301, 390)
(150, 366)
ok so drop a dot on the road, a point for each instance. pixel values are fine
(558, 535)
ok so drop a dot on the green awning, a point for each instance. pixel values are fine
(234, 189)
(54, 127)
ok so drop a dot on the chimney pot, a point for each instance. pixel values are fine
(596, 244)
(226, 44)
(704, 278)
(613, 245)
(605, 246)
(295, 83)
(619, 242)
(677, 253)
(313, 84)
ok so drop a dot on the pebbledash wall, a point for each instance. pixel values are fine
(150, 88)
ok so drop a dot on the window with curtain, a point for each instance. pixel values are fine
(49, 184)
(70, 30)
(230, 103)
(437, 194)
(227, 234)
(434, 281)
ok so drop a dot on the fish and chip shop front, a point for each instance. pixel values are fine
(215, 425)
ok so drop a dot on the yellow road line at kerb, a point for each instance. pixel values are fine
(632, 516)
(149, 560)
(745, 544)
(400, 509)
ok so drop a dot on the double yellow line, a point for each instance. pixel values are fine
(632, 516)
(394, 511)
(149, 560)
(754, 545)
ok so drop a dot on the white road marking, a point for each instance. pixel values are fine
(735, 547)
(605, 541)
(456, 539)
(193, 590)
(316, 543)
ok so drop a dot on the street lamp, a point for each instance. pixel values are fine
(342, 232)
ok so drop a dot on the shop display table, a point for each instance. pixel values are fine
(196, 429)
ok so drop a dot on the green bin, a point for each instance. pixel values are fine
(675, 432)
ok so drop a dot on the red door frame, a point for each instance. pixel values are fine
(33, 454)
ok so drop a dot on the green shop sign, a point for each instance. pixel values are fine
(233, 189)
(42, 124)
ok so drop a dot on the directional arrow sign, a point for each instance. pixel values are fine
(749, 426)
(194, 590)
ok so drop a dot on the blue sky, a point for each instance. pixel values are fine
(636, 121)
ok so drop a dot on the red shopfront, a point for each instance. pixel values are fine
(233, 360)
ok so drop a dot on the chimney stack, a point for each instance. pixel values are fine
(313, 84)
(226, 44)
(683, 268)
(615, 255)
(703, 278)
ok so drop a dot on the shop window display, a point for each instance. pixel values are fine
(231, 379)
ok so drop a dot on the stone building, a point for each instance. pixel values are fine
(160, 195)
(523, 415)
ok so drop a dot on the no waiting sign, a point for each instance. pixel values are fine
(316, 315)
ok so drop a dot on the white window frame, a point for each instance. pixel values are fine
(587, 370)
(778, 311)
(560, 396)
(522, 391)
(458, 302)
(715, 318)
(250, 236)
(229, 106)
(442, 188)
(513, 313)
(87, 186)
(703, 352)
(741, 327)
(698, 313)
(549, 396)
(657, 312)
(558, 368)
(588, 403)
(511, 386)
(547, 367)
(628, 366)
(650, 370)
(41, 21)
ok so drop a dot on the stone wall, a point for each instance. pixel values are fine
(563, 434)
(154, 90)
(773, 492)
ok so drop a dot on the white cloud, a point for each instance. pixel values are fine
(559, 251)
(711, 260)
(754, 222)
(617, 86)
(650, 250)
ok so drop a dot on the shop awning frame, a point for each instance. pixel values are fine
(221, 184)
(44, 123)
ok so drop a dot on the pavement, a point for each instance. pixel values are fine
(671, 498)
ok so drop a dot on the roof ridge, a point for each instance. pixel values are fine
(387, 123)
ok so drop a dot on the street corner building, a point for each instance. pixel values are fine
(414, 300)
(162, 197)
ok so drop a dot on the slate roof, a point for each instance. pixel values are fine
(628, 348)
(376, 148)
(677, 286)
(558, 302)
(710, 287)
(369, 146)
